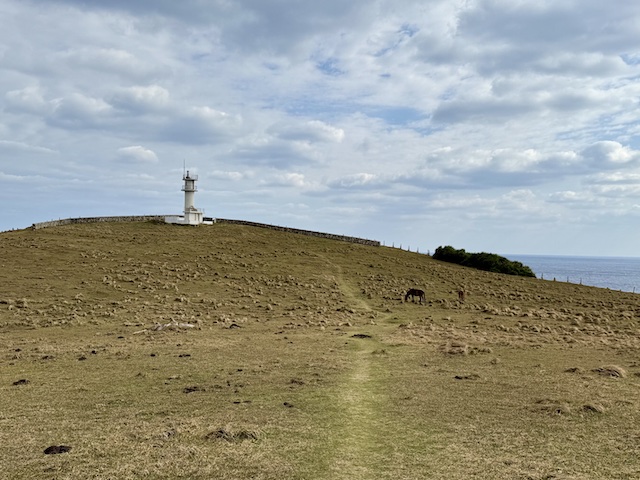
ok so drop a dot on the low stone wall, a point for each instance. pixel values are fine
(70, 221)
(161, 218)
(343, 238)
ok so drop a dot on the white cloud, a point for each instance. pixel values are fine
(233, 176)
(617, 190)
(137, 154)
(104, 60)
(579, 64)
(151, 98)
(312, 131)
(617, 178)
(609, 154)
(78, 111)
(27, 100)
(355, 180)
(287, 180)
(198, 125)
(10, 146)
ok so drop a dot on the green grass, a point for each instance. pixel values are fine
(304, 362)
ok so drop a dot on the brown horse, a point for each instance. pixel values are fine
(413, 293)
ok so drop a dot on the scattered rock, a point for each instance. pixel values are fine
(173, 325)
(194, 388)
(611, 371)
(360, 335)
(22, 381)
(574, 370)
(471, 376)
(184, 355)
(55, 449)
(461, 348)
(553, 407)
(288, 405)
(456, 348)
(593, 408)
(233, 436)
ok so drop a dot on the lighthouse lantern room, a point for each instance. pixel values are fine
(192, 216)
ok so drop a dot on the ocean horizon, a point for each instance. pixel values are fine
(615, 273)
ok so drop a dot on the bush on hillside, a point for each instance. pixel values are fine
(489, 262)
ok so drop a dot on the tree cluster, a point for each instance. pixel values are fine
(489, 262)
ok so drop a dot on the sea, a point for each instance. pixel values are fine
(615, 273)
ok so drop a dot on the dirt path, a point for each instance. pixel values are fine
(349, 291)
(359, 433)
(361, 401)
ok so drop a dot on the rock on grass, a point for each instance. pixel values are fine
(611, 371)
(233, 436)
(55, 449)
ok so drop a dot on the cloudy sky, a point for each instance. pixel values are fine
(508, 126)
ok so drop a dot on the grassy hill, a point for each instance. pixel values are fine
(156, 351)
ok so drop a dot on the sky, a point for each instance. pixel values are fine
(503, 126)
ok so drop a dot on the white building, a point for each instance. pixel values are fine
(191, 216)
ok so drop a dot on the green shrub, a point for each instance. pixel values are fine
(489, 262)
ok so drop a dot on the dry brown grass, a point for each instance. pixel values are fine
(155, 351)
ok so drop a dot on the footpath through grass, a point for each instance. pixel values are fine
(359, 429)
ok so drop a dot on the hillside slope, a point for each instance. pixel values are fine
(158, 351)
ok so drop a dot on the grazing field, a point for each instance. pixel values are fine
(159, 352)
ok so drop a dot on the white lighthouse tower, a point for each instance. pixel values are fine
(192, 216)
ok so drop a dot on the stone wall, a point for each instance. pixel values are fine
(361, 241)
(69, 221)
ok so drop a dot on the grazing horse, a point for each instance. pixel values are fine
(414, 292)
